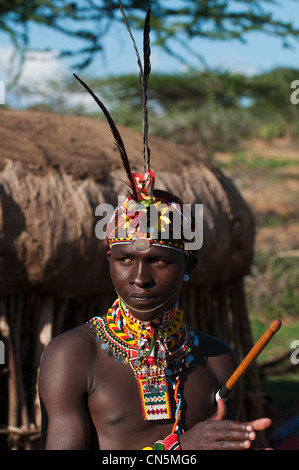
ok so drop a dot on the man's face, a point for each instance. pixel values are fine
(147, 281)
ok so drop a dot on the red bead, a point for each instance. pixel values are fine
(151, 360)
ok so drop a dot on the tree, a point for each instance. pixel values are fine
(271, 105)
(197, 108)
(172, 22)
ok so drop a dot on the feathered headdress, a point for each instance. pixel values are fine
(133, 215)
(145, 183)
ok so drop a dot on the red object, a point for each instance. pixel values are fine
(151, 360)
(172, 442)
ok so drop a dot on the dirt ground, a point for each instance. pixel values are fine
(267, 175)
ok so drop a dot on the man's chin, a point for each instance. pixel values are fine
(143, 303)
(147, 309)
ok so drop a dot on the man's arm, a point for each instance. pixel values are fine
(222, 430)
(63, 394)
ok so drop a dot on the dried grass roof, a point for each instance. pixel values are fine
(54, 171)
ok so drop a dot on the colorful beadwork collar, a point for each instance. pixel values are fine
(156, 352)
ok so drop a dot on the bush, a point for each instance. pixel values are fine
(214, 127)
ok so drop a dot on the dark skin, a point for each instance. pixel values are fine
(90, 401)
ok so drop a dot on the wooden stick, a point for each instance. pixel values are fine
(248, 360)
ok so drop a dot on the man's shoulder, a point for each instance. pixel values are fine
(67, 363)
(215, 352)
(75, 344)
(218, 356)
(213, 345)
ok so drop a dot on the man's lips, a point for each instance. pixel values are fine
(142, 296)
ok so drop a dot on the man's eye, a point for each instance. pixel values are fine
(126, 260)
(161, 262)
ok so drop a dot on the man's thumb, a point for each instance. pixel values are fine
(221, 410)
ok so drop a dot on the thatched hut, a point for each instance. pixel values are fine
(54, 171)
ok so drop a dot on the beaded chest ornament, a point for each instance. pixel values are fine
(156, 352)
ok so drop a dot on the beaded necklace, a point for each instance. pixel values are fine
(156, 352)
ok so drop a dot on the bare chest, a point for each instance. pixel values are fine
(115, 404)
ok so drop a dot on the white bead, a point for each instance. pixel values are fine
(142, 244)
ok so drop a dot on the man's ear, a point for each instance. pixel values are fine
(108, 254)
(191, 264)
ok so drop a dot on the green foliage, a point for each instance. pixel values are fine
(281, 342)
(271, 107)
(204, 108)
(210, 125)
(192, 108)
(270, 129)
(255, 162)
(273, 287)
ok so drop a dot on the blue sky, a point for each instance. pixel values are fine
(259, 54)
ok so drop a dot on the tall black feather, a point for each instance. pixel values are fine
(144, 72)
(132, 38)
(117, 138)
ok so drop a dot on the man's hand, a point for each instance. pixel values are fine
(217, 433)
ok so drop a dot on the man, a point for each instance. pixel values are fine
(138, 377)
(90, 399)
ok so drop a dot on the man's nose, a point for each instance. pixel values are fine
(142, 276)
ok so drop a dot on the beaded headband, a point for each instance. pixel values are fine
(148, 216)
